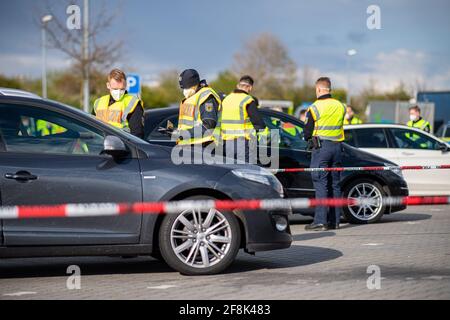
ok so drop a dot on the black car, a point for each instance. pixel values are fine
(293, 154)
(52, 154)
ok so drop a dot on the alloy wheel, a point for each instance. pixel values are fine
(201, 239)
(369, 200)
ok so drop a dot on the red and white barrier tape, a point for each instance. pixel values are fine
(387, 168)
(112, 209)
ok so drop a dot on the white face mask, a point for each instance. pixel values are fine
(117, 94)
(412, 117)
(188, 92)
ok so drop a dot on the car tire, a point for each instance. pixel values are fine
(368, 189)
(191, 249)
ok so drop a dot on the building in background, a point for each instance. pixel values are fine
(441, 101)
(397, 112)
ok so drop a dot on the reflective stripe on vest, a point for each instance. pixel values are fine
(421, 124)
(329, 119)
(115, 114)
(189, 115)
(234, 120)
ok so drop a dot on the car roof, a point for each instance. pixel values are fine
(18, 93)
(161, 110)
(376, 125)
(389, 125)
(171, 110)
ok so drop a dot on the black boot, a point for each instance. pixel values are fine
(316, 227)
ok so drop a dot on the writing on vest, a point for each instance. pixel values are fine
(234, 120)
(328, 115)
(115, 114)
(189, 116)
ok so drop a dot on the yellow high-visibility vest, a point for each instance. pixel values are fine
(328, 115)
(234, 119)
(355, 120)
(117, 113)
(189, 116)
(46, 128)
(421, 124)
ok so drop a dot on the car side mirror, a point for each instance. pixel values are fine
(114, 147)
(444, 147)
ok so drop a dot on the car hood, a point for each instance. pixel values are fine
(153, 151)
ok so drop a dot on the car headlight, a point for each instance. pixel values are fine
(260, 176)
(397, 171)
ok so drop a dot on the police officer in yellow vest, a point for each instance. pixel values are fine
(118, 108)
(416, 121)
(240, 121)
(325, 133)
(45, 128)
(350, 117)
(199, 110)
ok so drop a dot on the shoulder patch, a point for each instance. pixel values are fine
(209, 106)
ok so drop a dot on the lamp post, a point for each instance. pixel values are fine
(350, 54)
(86, 56)
(44, 20)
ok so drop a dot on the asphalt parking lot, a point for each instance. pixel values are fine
(411, 250)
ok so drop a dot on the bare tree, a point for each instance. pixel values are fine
(267, 60)
(101, 54)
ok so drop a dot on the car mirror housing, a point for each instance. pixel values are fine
(444, 147)
(114, 146)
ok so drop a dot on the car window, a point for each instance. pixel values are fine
(291, 135)
(409, 139)
(350, 137)
(443, 131)
(36, 130)
(370, 138)
(169, 122)
(440, 132)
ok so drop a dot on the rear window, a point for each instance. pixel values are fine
(170, 122)
(370, 138)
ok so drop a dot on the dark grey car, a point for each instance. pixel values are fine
(51, 154)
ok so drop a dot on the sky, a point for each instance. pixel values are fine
(412, 46)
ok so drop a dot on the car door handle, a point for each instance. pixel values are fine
(408, 153)
(21, 176)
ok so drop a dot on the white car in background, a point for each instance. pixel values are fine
(444, 132)
(406, 146)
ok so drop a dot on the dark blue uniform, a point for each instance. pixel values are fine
(326, 184)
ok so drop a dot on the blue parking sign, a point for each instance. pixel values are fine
(134, 84)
